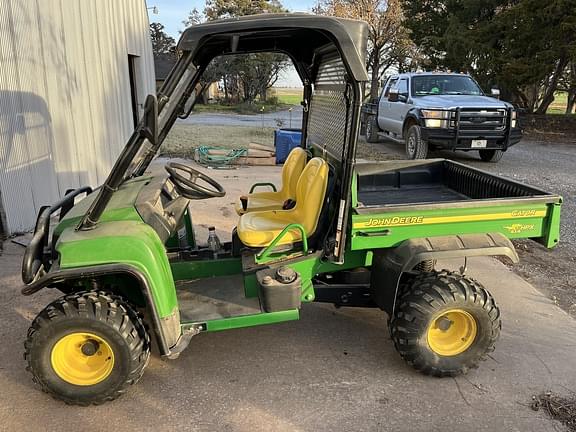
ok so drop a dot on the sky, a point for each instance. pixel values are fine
(171, 13)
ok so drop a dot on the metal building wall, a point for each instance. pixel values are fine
(65, 102)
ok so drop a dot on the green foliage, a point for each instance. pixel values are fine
(523, 46)
(161, 42)
(245, 77)
(220, 9)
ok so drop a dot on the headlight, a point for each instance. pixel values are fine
(435, 114)
(436, 118)
(513, 121)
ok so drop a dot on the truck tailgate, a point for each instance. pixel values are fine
(398, 200)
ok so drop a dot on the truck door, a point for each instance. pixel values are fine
(400, 108)
(384, 105)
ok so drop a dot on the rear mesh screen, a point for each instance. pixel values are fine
(329, 112)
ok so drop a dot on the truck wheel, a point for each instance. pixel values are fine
(416, 147)
(444, 323)
(491, 155)
(87, 348)
(371, 129)
(363, 128)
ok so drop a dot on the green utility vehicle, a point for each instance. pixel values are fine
(368, 235)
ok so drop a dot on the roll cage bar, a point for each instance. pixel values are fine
(304, 38)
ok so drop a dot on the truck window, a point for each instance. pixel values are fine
(391, 82)
(444, 85)
(403, 86)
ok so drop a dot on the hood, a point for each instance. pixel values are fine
(462, 101)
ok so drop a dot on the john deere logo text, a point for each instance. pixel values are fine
(396, 220)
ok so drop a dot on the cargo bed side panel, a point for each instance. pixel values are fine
(390, 228)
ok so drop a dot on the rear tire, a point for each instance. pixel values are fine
(87, 348)
(371, 129)
(444, 323)
(416, 147)
(491, 155)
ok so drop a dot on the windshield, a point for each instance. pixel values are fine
(444, 85)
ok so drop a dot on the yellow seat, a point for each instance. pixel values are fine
(260, 201)
(258, 229)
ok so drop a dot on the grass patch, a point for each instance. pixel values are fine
(184, 138)
(243, 108)
(288, 99)
(559, 104)
(288, 96)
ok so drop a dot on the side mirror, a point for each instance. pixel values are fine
(393, 95)
(149, 125)
(495, 92)
(402, 97)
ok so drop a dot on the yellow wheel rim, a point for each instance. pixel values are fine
(82, 359)
(452, 332)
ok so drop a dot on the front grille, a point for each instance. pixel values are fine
(474, 119)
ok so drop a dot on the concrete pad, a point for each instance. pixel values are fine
(334, 370)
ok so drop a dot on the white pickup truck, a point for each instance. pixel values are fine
(438, 110)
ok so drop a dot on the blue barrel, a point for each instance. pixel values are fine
(284, 141)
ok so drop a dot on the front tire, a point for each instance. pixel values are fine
(491, 155)
(416, 147)
(87, 348)
(444, 323)
(372, 129)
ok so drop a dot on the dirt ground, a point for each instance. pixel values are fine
(334, 370)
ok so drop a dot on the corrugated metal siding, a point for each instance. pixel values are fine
(65, 108)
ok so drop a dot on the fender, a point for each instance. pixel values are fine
(61, 276)
(121, 247)
(388, 265)
(415, 116)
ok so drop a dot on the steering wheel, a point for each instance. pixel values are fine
(188, 187)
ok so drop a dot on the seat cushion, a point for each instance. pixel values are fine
(260, 228)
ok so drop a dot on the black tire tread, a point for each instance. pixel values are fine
(372, 129)
(421, 151)
(100, 306)
(491, 155)
(425, 294)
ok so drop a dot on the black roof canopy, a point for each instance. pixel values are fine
(300, 36)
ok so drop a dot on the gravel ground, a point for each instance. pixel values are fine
(548, 166)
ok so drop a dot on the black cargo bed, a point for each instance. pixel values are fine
(431, 182)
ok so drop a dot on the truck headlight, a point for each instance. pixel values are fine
(436, 118)
(513, 120)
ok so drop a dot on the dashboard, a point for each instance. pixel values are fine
(161, 206)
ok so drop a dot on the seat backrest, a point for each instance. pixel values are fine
(293, 167)
(310, 194)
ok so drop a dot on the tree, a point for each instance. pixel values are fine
(523, 46)
(194, 17)
(388, 40)
(220, 9)
(161, 42)
(246, 76)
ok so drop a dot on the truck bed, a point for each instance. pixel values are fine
(401, 199)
